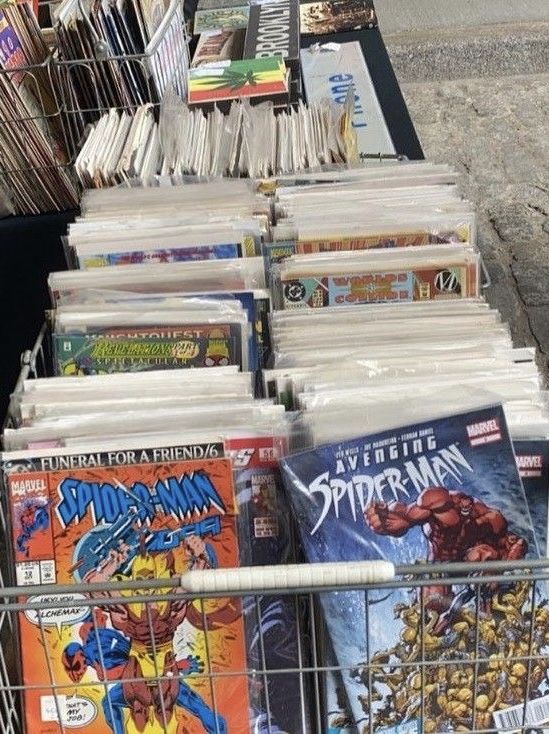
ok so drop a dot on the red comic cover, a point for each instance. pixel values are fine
(129, 667)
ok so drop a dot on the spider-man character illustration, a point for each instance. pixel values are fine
(107, 651)
(34, 517)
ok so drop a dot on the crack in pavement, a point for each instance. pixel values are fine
(525, 311)
(538, 209)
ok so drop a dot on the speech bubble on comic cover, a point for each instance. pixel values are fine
(56, 610)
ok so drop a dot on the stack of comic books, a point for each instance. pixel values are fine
(380, 407)
(171, 283)
(411, 397)
(148, 455)
(440, 486)
(118, 494)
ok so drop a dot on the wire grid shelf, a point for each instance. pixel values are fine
(487, 671)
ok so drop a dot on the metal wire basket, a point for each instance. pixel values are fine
(62, 119)
(34, 144)
(490, 671)
(162, 66)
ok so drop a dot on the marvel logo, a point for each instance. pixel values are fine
(530, 466)
(484, 432)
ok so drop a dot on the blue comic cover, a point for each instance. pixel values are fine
(533, 464)
(447, 490)
(272, 622)
(169, 255)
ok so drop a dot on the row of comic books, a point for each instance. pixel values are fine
(148, 455)
(229, 367)
(420, 425)
(247, 141)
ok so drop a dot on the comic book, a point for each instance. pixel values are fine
(275, 252)
(533, 464)
(272, 622)
(439, 491)
(142, 349)
(137, 515)
(415, 284)
(170, 255)
(412, 238)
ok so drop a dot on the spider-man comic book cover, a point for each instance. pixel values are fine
(447, 490)
(129, 667)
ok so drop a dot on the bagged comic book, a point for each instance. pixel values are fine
(138, 515)
(444, 490)
(533, 464)
(92, 354)
(273, 623)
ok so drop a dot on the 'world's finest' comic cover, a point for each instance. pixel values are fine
(129, 667)
(420, 284)
(447, 490)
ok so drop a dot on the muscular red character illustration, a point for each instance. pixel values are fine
(458, 527)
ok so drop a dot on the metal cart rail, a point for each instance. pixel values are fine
(460, 681)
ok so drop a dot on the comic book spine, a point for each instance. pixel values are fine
(380, 287)
(272, 623)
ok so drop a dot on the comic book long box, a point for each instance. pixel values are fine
(152, 520)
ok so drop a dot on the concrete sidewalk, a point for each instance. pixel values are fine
(398, 16)
(444, 39)
(496, 131)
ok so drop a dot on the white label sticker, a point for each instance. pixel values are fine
(47, 572)
(535, 712)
